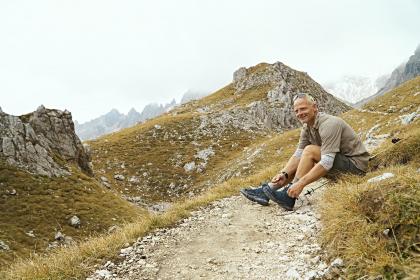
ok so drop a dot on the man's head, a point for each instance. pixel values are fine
(305, 108)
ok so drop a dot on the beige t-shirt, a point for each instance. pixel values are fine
(334, 135)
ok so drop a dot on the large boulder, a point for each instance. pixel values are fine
(42, 142)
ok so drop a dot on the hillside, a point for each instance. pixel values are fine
(206, 142)
(263, 144)
(48, 197)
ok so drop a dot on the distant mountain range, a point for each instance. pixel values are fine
(406, 71)
(114, 120)
(358, 90)
(352, 89)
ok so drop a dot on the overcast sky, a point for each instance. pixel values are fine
(94, 55)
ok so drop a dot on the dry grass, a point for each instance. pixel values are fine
(45, 205)
(355, 215)
(78, 261)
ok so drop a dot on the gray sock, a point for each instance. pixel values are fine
(274, 187)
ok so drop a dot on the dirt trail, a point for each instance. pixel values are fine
(231, 239)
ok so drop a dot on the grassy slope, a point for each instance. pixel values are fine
(356, 213)
(45, 205)
(275, 149)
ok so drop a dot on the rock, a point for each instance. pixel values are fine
(59, 236)
(160, 207)
(292, 274)
(119, 177)
(338, 262)
(384, 176)
(205, 154)
(126, 251)
(30, 233)
(103, 274)
(392, 109)
(75, 222)
(104, 179)
(134, 179)
(190, 166)
(4, 246)
(41, 141)
(407, 119)
(239, 74)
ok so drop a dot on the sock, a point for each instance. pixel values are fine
(274, 187)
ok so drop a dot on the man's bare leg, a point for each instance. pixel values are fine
(311, 155)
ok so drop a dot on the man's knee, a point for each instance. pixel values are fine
(312, 151)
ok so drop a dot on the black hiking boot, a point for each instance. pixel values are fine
(280, 197)
(256, 195)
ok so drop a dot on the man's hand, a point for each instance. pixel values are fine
(295, 190)
(279, 179)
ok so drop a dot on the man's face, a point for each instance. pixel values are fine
(305, 111)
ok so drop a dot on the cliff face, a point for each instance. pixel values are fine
(42, 142)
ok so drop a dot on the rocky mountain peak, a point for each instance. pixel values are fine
(42, 142)
(263, 99)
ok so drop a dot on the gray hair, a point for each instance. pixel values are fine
(308, 97)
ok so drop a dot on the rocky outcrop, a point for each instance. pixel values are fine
(275, 112)
(42, 142)
(401, 74)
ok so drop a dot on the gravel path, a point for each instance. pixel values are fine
(231, 239)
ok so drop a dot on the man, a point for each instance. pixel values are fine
(327, 144)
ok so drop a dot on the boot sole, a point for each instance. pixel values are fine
(254, 198)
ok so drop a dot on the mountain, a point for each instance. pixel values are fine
(196, 145)
(404, 72)
(115, 121)
(192, 95)
(195, 154)
(355, 88)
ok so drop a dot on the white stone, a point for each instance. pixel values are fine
(384, 176)
(406, 119)
(119, 177)
(292, 274)
(127, 250)
(4, 246)
(75, 221)
(338, 262)
(190, 166)
(103, 273)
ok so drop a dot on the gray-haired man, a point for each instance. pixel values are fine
(327, 144)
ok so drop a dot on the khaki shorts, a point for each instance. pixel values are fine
(343, 164)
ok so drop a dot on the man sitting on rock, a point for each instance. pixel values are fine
(327, 144)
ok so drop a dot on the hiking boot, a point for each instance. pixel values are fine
(280, 197)
(256, 195)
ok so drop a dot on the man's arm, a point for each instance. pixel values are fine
(290, 169)
(314, 174)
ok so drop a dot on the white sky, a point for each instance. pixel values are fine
(94, 55)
